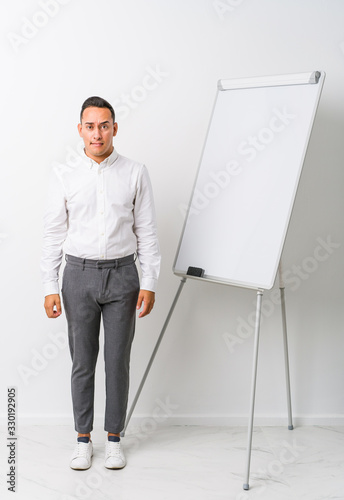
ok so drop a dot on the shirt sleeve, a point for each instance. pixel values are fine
(145, 229)
(54, 234)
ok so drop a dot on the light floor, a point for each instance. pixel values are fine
(183, 463)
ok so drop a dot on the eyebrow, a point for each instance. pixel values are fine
(92, 123)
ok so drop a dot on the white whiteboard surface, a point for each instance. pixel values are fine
(246, 184)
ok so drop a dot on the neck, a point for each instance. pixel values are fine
(99, 159)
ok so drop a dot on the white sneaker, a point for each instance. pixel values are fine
(81, 458)
(114, 456)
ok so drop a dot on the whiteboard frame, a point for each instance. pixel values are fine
(314, 78)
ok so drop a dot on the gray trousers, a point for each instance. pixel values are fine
(93, 289)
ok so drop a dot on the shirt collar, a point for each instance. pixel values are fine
(105, 163)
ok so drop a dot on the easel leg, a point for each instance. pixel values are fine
(253, 388)
(183, 281)
(286, 359)
(285, 344)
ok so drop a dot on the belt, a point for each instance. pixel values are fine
(101, 264)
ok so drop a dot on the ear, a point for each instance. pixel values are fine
(79, 129)
(115, 128)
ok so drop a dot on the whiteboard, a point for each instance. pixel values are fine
(238, 215)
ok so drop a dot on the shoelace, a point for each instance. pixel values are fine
(113, 449)
(81, 450)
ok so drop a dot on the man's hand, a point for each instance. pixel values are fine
(148, 299)
(49, 303)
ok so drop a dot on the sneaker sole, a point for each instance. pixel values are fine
(115, 468)
(76, 468)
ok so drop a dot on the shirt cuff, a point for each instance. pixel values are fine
(149, 284)
(52, 287)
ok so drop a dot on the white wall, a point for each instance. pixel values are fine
(109, 48)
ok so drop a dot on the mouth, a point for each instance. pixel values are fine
(97, 144)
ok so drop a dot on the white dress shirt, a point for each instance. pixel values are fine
(100, 211)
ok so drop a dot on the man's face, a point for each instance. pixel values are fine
(97, 130)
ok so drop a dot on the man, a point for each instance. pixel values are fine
(100, 212)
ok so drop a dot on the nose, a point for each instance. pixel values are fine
(96, 133)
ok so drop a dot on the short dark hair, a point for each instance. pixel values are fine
(97, 102)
